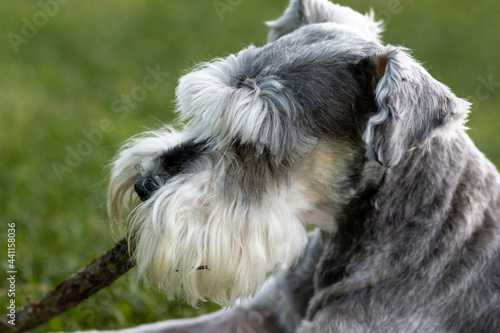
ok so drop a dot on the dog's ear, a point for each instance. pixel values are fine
(411, 105)
(304, 12)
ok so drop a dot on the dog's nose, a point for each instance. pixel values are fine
(145, 187)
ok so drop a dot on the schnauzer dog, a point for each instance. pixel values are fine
(322, 126)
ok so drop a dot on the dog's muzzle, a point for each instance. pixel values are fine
(171, 163)
(145, 187)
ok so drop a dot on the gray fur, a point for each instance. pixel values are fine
(409, 209)
(412, 105)
(425, 248)
(304, 12)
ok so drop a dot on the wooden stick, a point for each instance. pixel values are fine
(100, 273)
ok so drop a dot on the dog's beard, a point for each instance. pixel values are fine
(194, 239)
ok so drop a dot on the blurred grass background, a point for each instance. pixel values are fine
(64, 80)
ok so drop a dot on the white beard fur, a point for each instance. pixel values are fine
(193, 241)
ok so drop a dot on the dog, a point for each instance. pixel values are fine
(322, 126)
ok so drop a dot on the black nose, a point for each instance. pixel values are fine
(145, 187)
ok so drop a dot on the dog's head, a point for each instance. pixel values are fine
(276, 137)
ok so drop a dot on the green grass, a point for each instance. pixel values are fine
(65, 79)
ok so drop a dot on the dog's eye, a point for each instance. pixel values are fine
(167, 165)
(175, 160)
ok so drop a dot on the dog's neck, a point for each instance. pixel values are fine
(379, 230)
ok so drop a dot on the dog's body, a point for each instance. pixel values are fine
(322, 126)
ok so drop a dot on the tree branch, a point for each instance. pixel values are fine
(100, 273)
